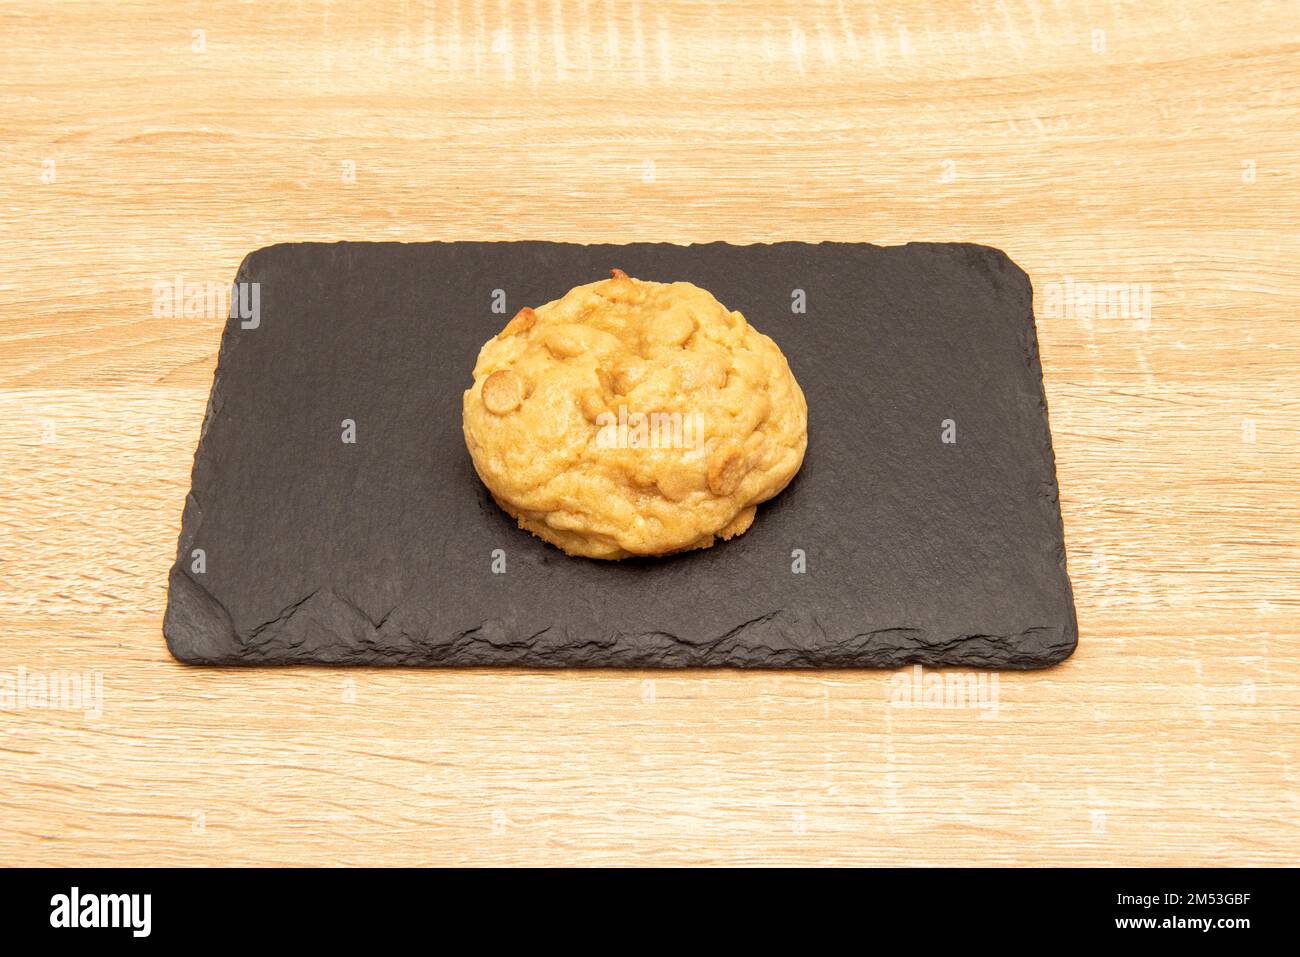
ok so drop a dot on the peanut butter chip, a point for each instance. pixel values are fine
(564, 342)
(627, 375)
(592, 404)
(726, 469)
(620, 288)
(522, 322)
(503, 392)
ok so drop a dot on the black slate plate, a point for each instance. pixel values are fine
(298, 547)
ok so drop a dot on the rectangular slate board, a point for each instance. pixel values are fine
(298, 547)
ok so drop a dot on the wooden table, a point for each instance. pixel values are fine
(1152, 145)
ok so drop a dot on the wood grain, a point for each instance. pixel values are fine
(1150, 143)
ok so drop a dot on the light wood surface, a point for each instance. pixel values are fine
(1151, 143)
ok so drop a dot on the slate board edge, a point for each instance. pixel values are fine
(199, 631)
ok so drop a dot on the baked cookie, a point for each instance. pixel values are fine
(633, 418)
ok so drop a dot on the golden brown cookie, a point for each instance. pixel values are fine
(633, 418)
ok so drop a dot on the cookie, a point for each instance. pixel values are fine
(633, 418)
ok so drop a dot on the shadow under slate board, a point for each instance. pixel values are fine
(924, 525)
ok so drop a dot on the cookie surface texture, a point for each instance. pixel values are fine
(633, 418)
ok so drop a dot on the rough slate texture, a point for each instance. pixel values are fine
(380, 552)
